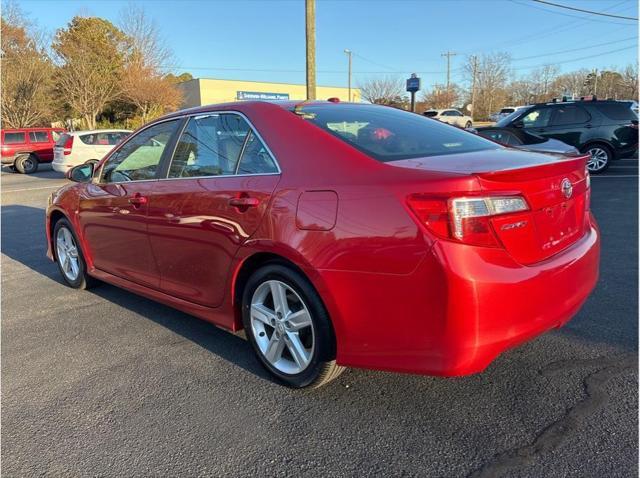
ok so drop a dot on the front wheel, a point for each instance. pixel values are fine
(289, 328)
(69, 257)
(599, 158)
(27, 164)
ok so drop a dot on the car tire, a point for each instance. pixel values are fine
(69, 257)
(600, 157)
(26, 163)
(294, 342)
(468, 125)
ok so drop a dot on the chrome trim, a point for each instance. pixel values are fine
(198, 116)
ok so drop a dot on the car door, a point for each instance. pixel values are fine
(217, 190)
(113, 209)
(41, 145)
(568, 124)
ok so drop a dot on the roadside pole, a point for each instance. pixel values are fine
(310, 17)
(413, 86)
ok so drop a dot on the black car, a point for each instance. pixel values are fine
(606, 129)
(519, 138)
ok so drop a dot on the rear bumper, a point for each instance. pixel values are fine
(61, 167)
(455, 314)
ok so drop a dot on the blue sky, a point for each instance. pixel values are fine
(263, 40)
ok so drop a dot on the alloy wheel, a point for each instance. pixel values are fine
(67, 251)
(598, 159)
(282, 327)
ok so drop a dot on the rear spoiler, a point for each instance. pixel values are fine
(563, 165)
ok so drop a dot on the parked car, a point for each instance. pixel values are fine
(80, 147)
(506, 111)
(25, 148)
(450, 116)
(606, 130)
(519, 138)
(335, 234)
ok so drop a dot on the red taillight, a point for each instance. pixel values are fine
(68, 144)
(465, 219)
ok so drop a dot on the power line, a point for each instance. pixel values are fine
(599, 20)
(588, 57)
(591, 12)
(574, 49)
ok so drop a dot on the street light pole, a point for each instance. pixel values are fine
(348, 52)
(310, 31)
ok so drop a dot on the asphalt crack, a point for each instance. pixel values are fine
(554, 434)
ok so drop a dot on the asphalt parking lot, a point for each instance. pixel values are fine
(107, 383)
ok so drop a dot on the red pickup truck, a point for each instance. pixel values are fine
(25, 148)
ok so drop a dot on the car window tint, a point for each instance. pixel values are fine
(209, 146)
(138, 158)
(537, 118)
(102, 139)
(62, 139)
(255, 158)
(55, 135)
(569, 114)
(430, 114)
(501, 137)
(618, 111)
(13, 138)
(505, 111)
(389, 134)
(455, 113)
(38, 136)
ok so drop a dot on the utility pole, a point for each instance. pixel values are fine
(474, 60)
(310, 17)
(348, 52)
(448, 54)
(595, 86)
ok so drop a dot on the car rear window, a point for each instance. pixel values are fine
(38, 136)
(14, 138)
(390, 134)
(618, 111)
(62, 139)
(430, 114)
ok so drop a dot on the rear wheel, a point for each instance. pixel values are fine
(69, 257)
(468, 125)
(26, 163)
(289, 328)
(600, 157)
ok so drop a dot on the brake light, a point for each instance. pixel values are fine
(68, 144)
(465, 219)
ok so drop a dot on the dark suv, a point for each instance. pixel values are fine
(607, 130)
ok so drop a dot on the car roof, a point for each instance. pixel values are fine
(93, 131)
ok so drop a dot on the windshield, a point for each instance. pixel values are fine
(507, 119)
(390, 134)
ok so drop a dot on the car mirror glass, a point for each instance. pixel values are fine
(81, 174)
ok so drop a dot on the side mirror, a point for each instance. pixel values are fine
(518, 124)
(81, 174)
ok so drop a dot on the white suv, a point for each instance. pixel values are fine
(450, 116)
(79, 147)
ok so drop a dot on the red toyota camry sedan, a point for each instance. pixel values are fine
(335, 234)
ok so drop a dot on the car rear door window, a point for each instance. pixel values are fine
(256, 158)
(14, 138)
(569, 114)
(139, 158)
(618, 111)
(210, 145)
(430, 114)
(38, 137)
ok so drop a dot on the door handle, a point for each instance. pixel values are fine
(138, 200)
(244, 202)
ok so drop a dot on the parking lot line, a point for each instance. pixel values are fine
(31, 189)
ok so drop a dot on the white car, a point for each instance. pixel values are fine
(78, 147)
(450, 116)
(504, 112)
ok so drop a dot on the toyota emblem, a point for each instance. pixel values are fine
(567, 188)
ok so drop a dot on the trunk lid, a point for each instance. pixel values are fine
(554, 186)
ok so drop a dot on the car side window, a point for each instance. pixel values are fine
(537, 118)
(256, 158)
(209, 146)
(569, 114)
(14, 138)
(38, 137)
(455, 113)
(138, 158)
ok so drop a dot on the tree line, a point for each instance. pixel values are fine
(91, 70)
(490, 83)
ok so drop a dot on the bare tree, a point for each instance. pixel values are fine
(629, 82)
(572, 83)
(384, 91)
(439, 97)
(492, 73)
